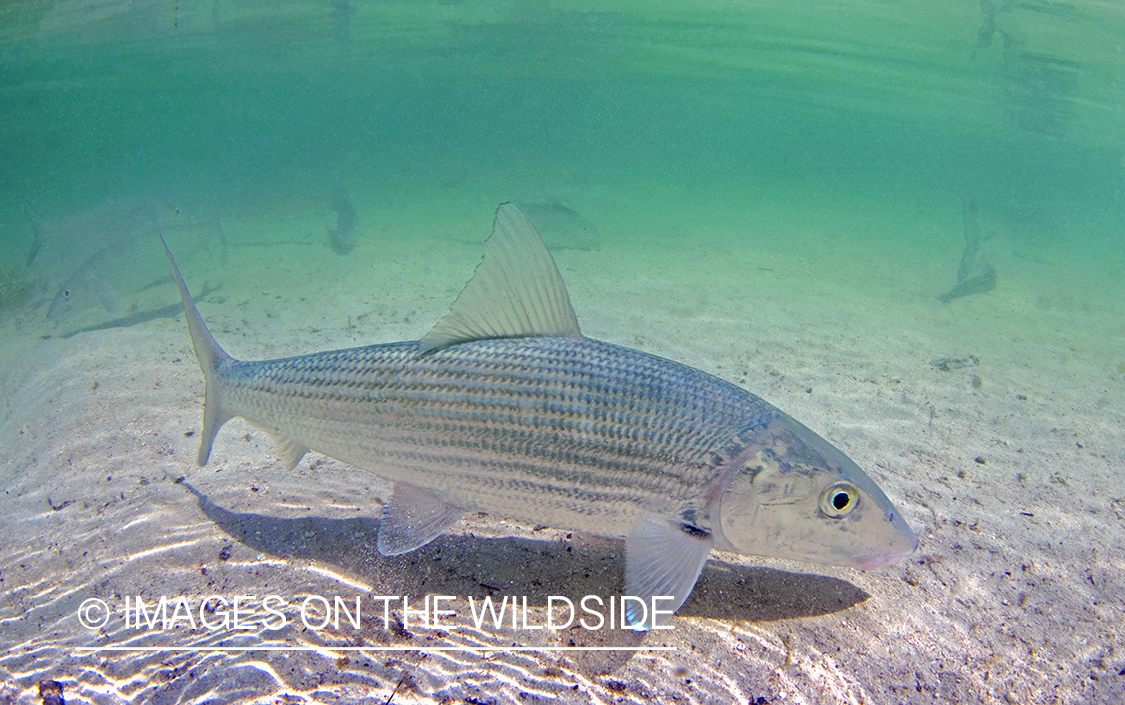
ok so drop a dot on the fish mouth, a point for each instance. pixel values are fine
(880, 561)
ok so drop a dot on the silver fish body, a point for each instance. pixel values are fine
(567, 432)
(505, 408)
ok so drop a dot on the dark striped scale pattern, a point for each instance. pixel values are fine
(568, 432)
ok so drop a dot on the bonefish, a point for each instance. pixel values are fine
(504, 407)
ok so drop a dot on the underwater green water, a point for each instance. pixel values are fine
(1018, 106)
(773, 191)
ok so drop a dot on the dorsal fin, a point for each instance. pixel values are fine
(516, 292)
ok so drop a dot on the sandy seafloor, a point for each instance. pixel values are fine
(1009, 470)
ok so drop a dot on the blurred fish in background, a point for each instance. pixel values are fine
(104, 254)
(562, 227)
(975, 275)
(342, 238)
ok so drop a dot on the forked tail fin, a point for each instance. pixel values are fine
(211, 357)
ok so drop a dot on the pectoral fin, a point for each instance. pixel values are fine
(413, 518)
(662, 558)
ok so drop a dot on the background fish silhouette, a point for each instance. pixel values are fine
(974, 276)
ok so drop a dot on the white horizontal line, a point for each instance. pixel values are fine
(371, 648)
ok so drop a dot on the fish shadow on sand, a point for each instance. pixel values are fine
(974, 276)
(467, 565)
(135, 319)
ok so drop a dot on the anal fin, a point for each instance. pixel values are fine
(412, 518)
(289, 450)
(662, 558)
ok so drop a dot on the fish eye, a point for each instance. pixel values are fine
(66, 293)
(838, 500)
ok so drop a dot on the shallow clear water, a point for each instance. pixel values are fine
(772, 192)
